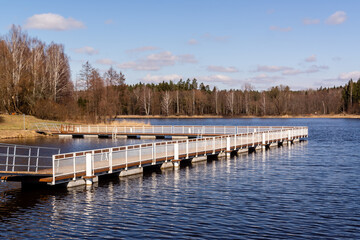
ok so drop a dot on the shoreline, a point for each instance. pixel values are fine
(345, 116)
(14, 133)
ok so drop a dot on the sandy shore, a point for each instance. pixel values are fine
(7, 134)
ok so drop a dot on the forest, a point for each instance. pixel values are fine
(35, 79)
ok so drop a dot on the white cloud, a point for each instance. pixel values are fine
(192, 42)
(292, 72)
(355, 75)
(105, 61)
(141, 49)
(270, 11)
(86, 50)
(216, 78)
(338, 17)
(156, 61)
(309, 21)
(263, 78)
(316, 68)
(312, 58)
(222, 69)
(279, 29)
(109, 21)
(211, 37)
(51, 21)
(187, 58)
(158, 78)
(264, 68)
(311, 69)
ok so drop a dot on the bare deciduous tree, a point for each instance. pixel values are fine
(166, 102)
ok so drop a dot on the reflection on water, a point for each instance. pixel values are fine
(307, 190)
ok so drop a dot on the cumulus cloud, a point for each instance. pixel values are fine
(292, 72)
(86, 50)
(309, 21)
(338, 17)
(312, 58)
(280, 29)
(265, 68)
(289, 70)
(51, 21)
(187, 58)
(217, 78)
(105, 61)
(158, 78)
(109, 21)
(215, 38)
(311, 69)
(222, 69)
(156, 61)
(141, 49)
(192, 42)
(355, 75)
(263, 78)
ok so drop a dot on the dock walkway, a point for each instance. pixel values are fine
(84, 167)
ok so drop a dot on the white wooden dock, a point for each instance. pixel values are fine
(84, 167)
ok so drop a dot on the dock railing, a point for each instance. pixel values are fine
(72, 165)
(30, 159)
(164, 129)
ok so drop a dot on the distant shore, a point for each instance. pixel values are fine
(217, 116)
(12, 126)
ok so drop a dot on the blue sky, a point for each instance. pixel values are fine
(302, 44)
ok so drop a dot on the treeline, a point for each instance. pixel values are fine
(35, 79)
(32, 74)
(351, 97)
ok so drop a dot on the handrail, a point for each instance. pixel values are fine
(74, 162)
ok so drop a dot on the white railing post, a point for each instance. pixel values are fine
(88, 169)
(253, 139)
(176, 154)
(176, 150)
(196, 147)
(205, 145)
(29, 159)
(263, 139)
(140, 155)
(213, 145)
(110, 160)
(14, 156)
(235, 142)
(228, 144)
(154, 153)
(166, 151)
(74, 166)
(53, 170)
(126, 157)
(187, 148)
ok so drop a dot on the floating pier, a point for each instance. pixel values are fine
(47, 166)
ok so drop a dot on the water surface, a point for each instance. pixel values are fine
(308, 190)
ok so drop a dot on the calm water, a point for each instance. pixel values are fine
(309, 190)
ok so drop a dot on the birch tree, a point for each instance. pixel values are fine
(166, 102)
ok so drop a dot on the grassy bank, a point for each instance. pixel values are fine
(12, 126)
(15, 126)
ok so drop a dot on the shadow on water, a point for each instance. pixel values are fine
(2, 119)
(18, 200)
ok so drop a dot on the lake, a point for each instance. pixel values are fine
(306, 190)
